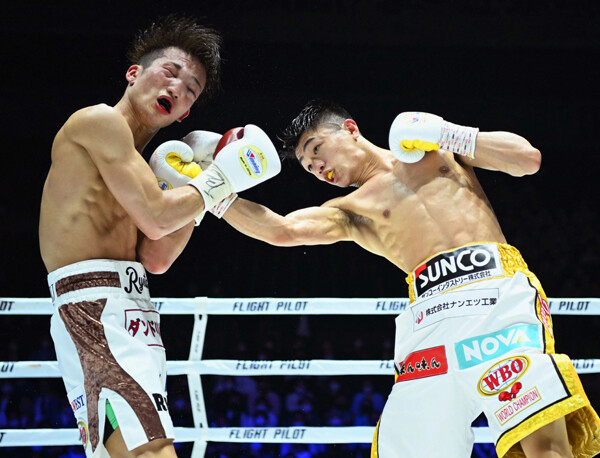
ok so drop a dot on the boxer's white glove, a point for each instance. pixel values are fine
(204, 144)
(173, 167)
(413, 133)
(247, 160)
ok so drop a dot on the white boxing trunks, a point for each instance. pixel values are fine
(476, 338)
(106, 332)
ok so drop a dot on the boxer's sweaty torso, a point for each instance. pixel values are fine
(79, 217)
(420, 209)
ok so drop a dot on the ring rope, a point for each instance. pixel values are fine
(288, 306)
(240, 367)
(272, 435)
(201, 307)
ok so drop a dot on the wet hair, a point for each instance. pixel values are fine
(201, 43)
(315, 114)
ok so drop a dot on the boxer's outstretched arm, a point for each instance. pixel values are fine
(505, 152)
(158, 255)
(308, 226)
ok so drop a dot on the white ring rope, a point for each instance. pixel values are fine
(240, 367)
(290, 306)
(201, 307)
(290, 435)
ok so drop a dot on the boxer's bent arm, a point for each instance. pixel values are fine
(158, 255)
(308, 226)
(505, 152)
(108, 140)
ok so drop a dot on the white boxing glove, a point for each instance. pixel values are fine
(172, 165)
(204, 144)
(247, 158)
(414, 133)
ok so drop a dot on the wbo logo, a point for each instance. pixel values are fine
(502, 375)
(476, 350)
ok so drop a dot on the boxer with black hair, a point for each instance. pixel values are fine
(104, 222)
(478, 335)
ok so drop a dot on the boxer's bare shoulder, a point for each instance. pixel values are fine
(95, 125)
(88, 116)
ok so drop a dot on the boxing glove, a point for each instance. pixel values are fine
(205, 145)
(172, 164)
(414, 133)
(247, 159)
(173, 167)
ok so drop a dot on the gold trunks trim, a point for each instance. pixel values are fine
(375, 443)
(583, 424)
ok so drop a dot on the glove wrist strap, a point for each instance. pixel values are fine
(220, 209)
(458, 139)
(213, 185)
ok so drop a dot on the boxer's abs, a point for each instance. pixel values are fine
(80, 220)
(412, 224)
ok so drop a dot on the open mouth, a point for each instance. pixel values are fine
(329, 176)
(164, 104)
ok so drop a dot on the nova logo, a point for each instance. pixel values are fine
(502, 375)
(477, 350)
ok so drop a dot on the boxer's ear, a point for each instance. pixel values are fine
(132, 73)
(351, 126)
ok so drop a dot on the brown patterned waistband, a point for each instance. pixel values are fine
(87, 280)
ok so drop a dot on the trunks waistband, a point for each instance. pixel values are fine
(122, 277)
(464, 265)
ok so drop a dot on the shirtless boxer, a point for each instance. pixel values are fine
(478, 334)
(104, 221)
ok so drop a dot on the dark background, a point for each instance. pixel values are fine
(496, 65)
(527, 67)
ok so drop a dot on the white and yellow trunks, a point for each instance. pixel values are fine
(106, 332)
(477, 337)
